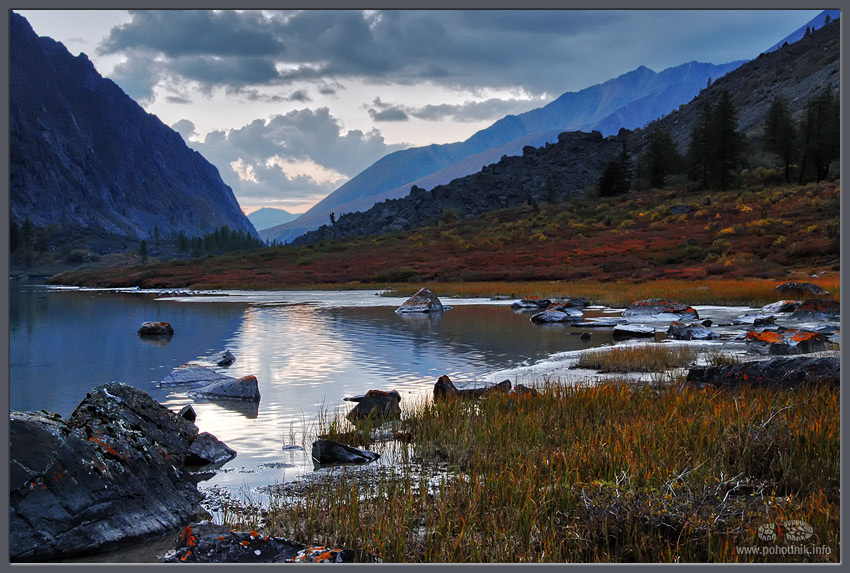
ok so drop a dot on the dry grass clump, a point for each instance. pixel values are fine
(637, 358)
(607, 473)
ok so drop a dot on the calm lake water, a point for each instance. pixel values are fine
(308, 351)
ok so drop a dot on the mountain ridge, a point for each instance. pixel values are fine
(87, 161)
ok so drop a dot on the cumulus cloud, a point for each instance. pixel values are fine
(185, 128)
(297, 156)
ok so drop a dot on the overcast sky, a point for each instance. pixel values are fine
(290, 105)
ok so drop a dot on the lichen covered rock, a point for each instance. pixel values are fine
(782, 371)
(785, 341)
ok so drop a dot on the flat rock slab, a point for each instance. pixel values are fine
(423, 301)
(115, 471)
(782, 371)
(531, 303)
(327, 452)
(623, 331)
(246, 389)
(211, 543)
(785, 341)
(192, 375)
(780, 306)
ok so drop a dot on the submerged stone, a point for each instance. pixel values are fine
(158, 328)
(192, 375)
(330, 452)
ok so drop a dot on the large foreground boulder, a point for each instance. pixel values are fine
(375, 404)
(117, 470)
(445, 388)
(422, 301)
(330, 452)
(785, 341)
(782, 371)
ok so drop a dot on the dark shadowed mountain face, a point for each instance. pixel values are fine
(86, 157)
(630, 100)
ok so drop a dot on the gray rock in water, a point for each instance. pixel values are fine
(375, 404)
(557, 314)
(156, 328)
(423, 301)
(531, 303)
(330, 452)
(692, 331)
(113, 472)
(191, 375)
(206, 449)
(660, 309)
(245, 388)
(817, 309)
(187, 412)
(223, 358)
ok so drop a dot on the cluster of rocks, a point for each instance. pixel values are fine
(122, 467)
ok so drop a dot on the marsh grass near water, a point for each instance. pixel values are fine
(605, 473)
(637, 358)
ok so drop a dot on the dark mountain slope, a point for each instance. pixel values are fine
(86, 157)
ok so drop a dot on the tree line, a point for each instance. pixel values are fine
(715, 155)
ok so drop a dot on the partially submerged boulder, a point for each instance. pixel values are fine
(445, 388)
(207, 450)
(223, 358)
(187, 412)
(330, 452)
(801, 290)
(375, 404)
(660, 309)
(817, 309)
(115, 471)
(691, 331)
(156, 328)
(781, 371)
(211, 543)
(246, 389)
(785, 341)
(423, 301)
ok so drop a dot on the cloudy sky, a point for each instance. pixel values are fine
(289, 105)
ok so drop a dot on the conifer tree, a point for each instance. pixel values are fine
(725, 143)
(780, 134)
(660, 159)
(698, 149)
(820, 134)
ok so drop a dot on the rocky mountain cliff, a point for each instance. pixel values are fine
(577, 160)
(87, 161)
(629, 100)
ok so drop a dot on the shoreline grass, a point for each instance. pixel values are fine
(607, 473)
(638, 358)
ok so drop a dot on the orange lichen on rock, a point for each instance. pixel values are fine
(768, 336)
